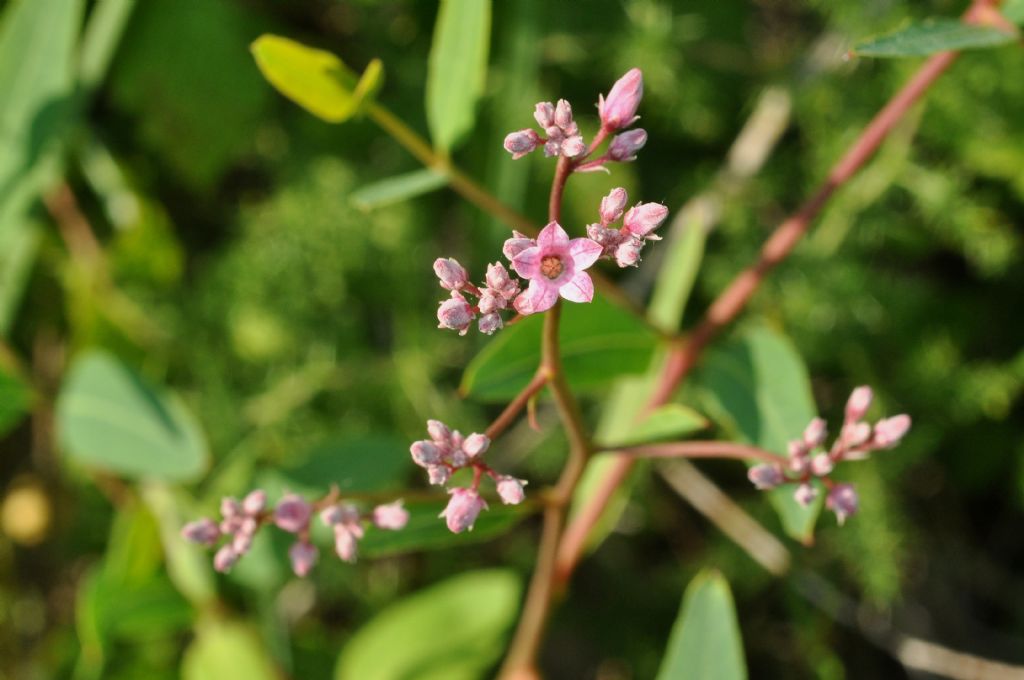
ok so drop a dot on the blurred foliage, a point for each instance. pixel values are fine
(297, 328)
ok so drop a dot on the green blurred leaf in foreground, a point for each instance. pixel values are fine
(929, 37)
(111, 418)
(227, 649)
(705, 643)
(397, 189)
(454, 630)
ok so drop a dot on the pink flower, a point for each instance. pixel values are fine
(619, 109)
(462, 510)
(391, 516)
(555, 267)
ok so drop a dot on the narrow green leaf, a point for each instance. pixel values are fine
(705, 642)
(100, 40)
(671, 421)
(188, 565)
(599, 341)
(677, 274)
(111, 418)
(397, 189)
(227, 649)
(929, 37)
(756, 385)
(454, 630)
(457, 69)
(314, 79)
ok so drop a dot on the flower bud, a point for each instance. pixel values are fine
(842, 500)
(203, 531)
(438, 474)
(462, 510)
(517, 244)
(858, 403)
(821, 465)
(490, 302)
(225, 558)
(510, 490)
(796, 448)
(765, 476)
(451, 274)
(521, 142)
(890, 431)
(336, 514)
(475, 444)
(612, 206)
(644, 218)
(292, 513)
(345, 544)
(455, 313)
(242, 542)
(230, 508)
(627, 254)
(255, 502)
(625, 146)
(499, 280)
(805, 494)
(544, 114)
(489, 323)
(855, 434)
(303, 555)
(391, 516)
(563, 115)
(815, 433)
(618, 110)
(425, 453)
(573, 146)
(439, 432)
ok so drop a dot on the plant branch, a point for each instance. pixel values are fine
(508, 416)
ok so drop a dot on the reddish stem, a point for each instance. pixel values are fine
(508, 416)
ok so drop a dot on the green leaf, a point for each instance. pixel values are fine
(457, 69)
(19, 244)
(705, 642)
(314, 79)
(1013, 10)
(929, 37)
(757, 386)
(671, 421)
(685, 251)
(454, 630)
(227, 649)
(365, 463)
(100, 40)
(397, 189)
(113, 419)
(427, 531)
(15, 400)
(599, 341)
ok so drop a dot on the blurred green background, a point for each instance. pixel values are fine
(297, 328)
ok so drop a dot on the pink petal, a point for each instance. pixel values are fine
(539, 297)
(527, 263)
(552, 238)
(584, 252)
(580, 287)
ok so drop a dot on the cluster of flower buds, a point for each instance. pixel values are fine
(240, 520)
(494, 296)
(617, 112)
(448, 451)
(808, 459)
(625, 243)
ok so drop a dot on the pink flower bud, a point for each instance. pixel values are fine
(544, 114)
(890, 431)
(798, 464)
(765, 476)
(805, 494)
(797, 448)
(573, 146)
(242, 542)
(842, 500)
(521, 142)
(303, 556)
(455, 313)
(858, 403)
(499, 281)
(563, 115)
(336, 514)
(292, 513)
(644, 218)
(490, 302)
(345, 544)
(517, 244)
(618, 110)
(612, 206)
(439, 432)
(855, 434)
(815, 432)
(391, 516)
(255, 502)
(203, 531)
(821, 465)
(475, 444)
(625, 146)
(225, 558)
(627, 254)
(489, 323)
(462, 510)
(457, 458)
(425, 453)
(510, 490)
(230, 508)
(438, 474)
(451, 274)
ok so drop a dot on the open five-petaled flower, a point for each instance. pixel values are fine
(555, 267)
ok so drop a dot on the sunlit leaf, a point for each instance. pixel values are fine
(1013, 10)
(454, 630)
(671, 421)
(677, 275)
(227, 649)
(111, 418)
(397, 189)
(457, 69)
(929, 37)
(705, 642)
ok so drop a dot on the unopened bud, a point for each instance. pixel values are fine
(624, 147)
(292, 513)
(510, 490)
(462, 510)
(499, 281)
(858, 403)
(225, 558)
(890, 431)
(489, 323)
(821, 465)
(765, 476)
(303, 556)
(815, 433)
(573, 146)
(230, 508)
(451, 274)
(843, 501)
(345, 544)
(613, 205)
(255, 502)
(854, 434)
(563, 115)
(203, 531)
(627, 254)
(517, 244)
(425, 453)
(438, 474)
(391, 516)
(544, 114)
(475, 444)
(805, 494)
(618, 110)
(642, 219)
(521, 142)
(439, 432)
(455, 313)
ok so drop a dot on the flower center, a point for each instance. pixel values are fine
(551, 266)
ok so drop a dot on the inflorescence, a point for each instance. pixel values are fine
(808, 460)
